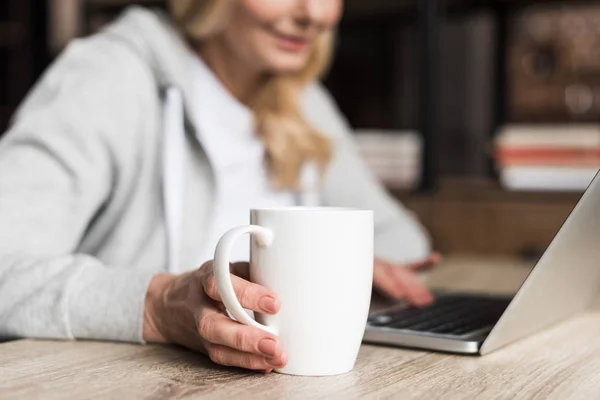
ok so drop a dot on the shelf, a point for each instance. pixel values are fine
(512, 3)
(480, 217)
(122, 3)
(396, 11)
(488, 191)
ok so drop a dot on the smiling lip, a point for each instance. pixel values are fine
(291, 43)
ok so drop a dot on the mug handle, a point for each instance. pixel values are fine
(264, 238)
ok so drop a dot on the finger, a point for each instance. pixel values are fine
(241, 269)
(251, 296)
(415, 291)
(224, 355)
(221, 330)
(428, 263)
(386, 282)
(431, 261)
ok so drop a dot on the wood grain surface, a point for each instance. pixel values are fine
(560, 363)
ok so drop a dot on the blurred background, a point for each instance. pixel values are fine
(482, 116)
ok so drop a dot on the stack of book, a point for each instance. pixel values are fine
(547, 158)
(393, 156)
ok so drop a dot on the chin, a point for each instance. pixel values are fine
(289, 64)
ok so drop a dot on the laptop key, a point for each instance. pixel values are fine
(450, 315)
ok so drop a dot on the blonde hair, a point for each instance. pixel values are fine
(290, 141)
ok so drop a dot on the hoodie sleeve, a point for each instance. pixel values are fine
(56, 173)
(399, 237)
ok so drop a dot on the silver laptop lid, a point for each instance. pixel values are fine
(565, 280)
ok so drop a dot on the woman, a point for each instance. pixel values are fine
(141, 145)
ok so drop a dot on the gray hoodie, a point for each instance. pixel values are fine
(83, 222)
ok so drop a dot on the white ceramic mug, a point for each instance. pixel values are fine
(319, 263)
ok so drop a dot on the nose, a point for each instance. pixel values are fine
(314, 11)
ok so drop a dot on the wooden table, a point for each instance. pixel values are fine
(563, 362)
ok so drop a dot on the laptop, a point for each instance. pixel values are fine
(564, 281)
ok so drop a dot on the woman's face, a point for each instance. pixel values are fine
(276, 36)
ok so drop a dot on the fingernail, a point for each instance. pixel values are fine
(268, 347)
(425, 301)
(277, 362)
(268, 304)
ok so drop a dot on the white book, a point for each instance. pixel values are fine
(547, 178)
(393, 156)
(549, 136)
(388, 141)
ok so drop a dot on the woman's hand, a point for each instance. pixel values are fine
(187, 310)
(402, 281)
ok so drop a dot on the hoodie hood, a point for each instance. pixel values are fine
(152, 35)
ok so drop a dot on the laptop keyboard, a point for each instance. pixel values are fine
(455, 315)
